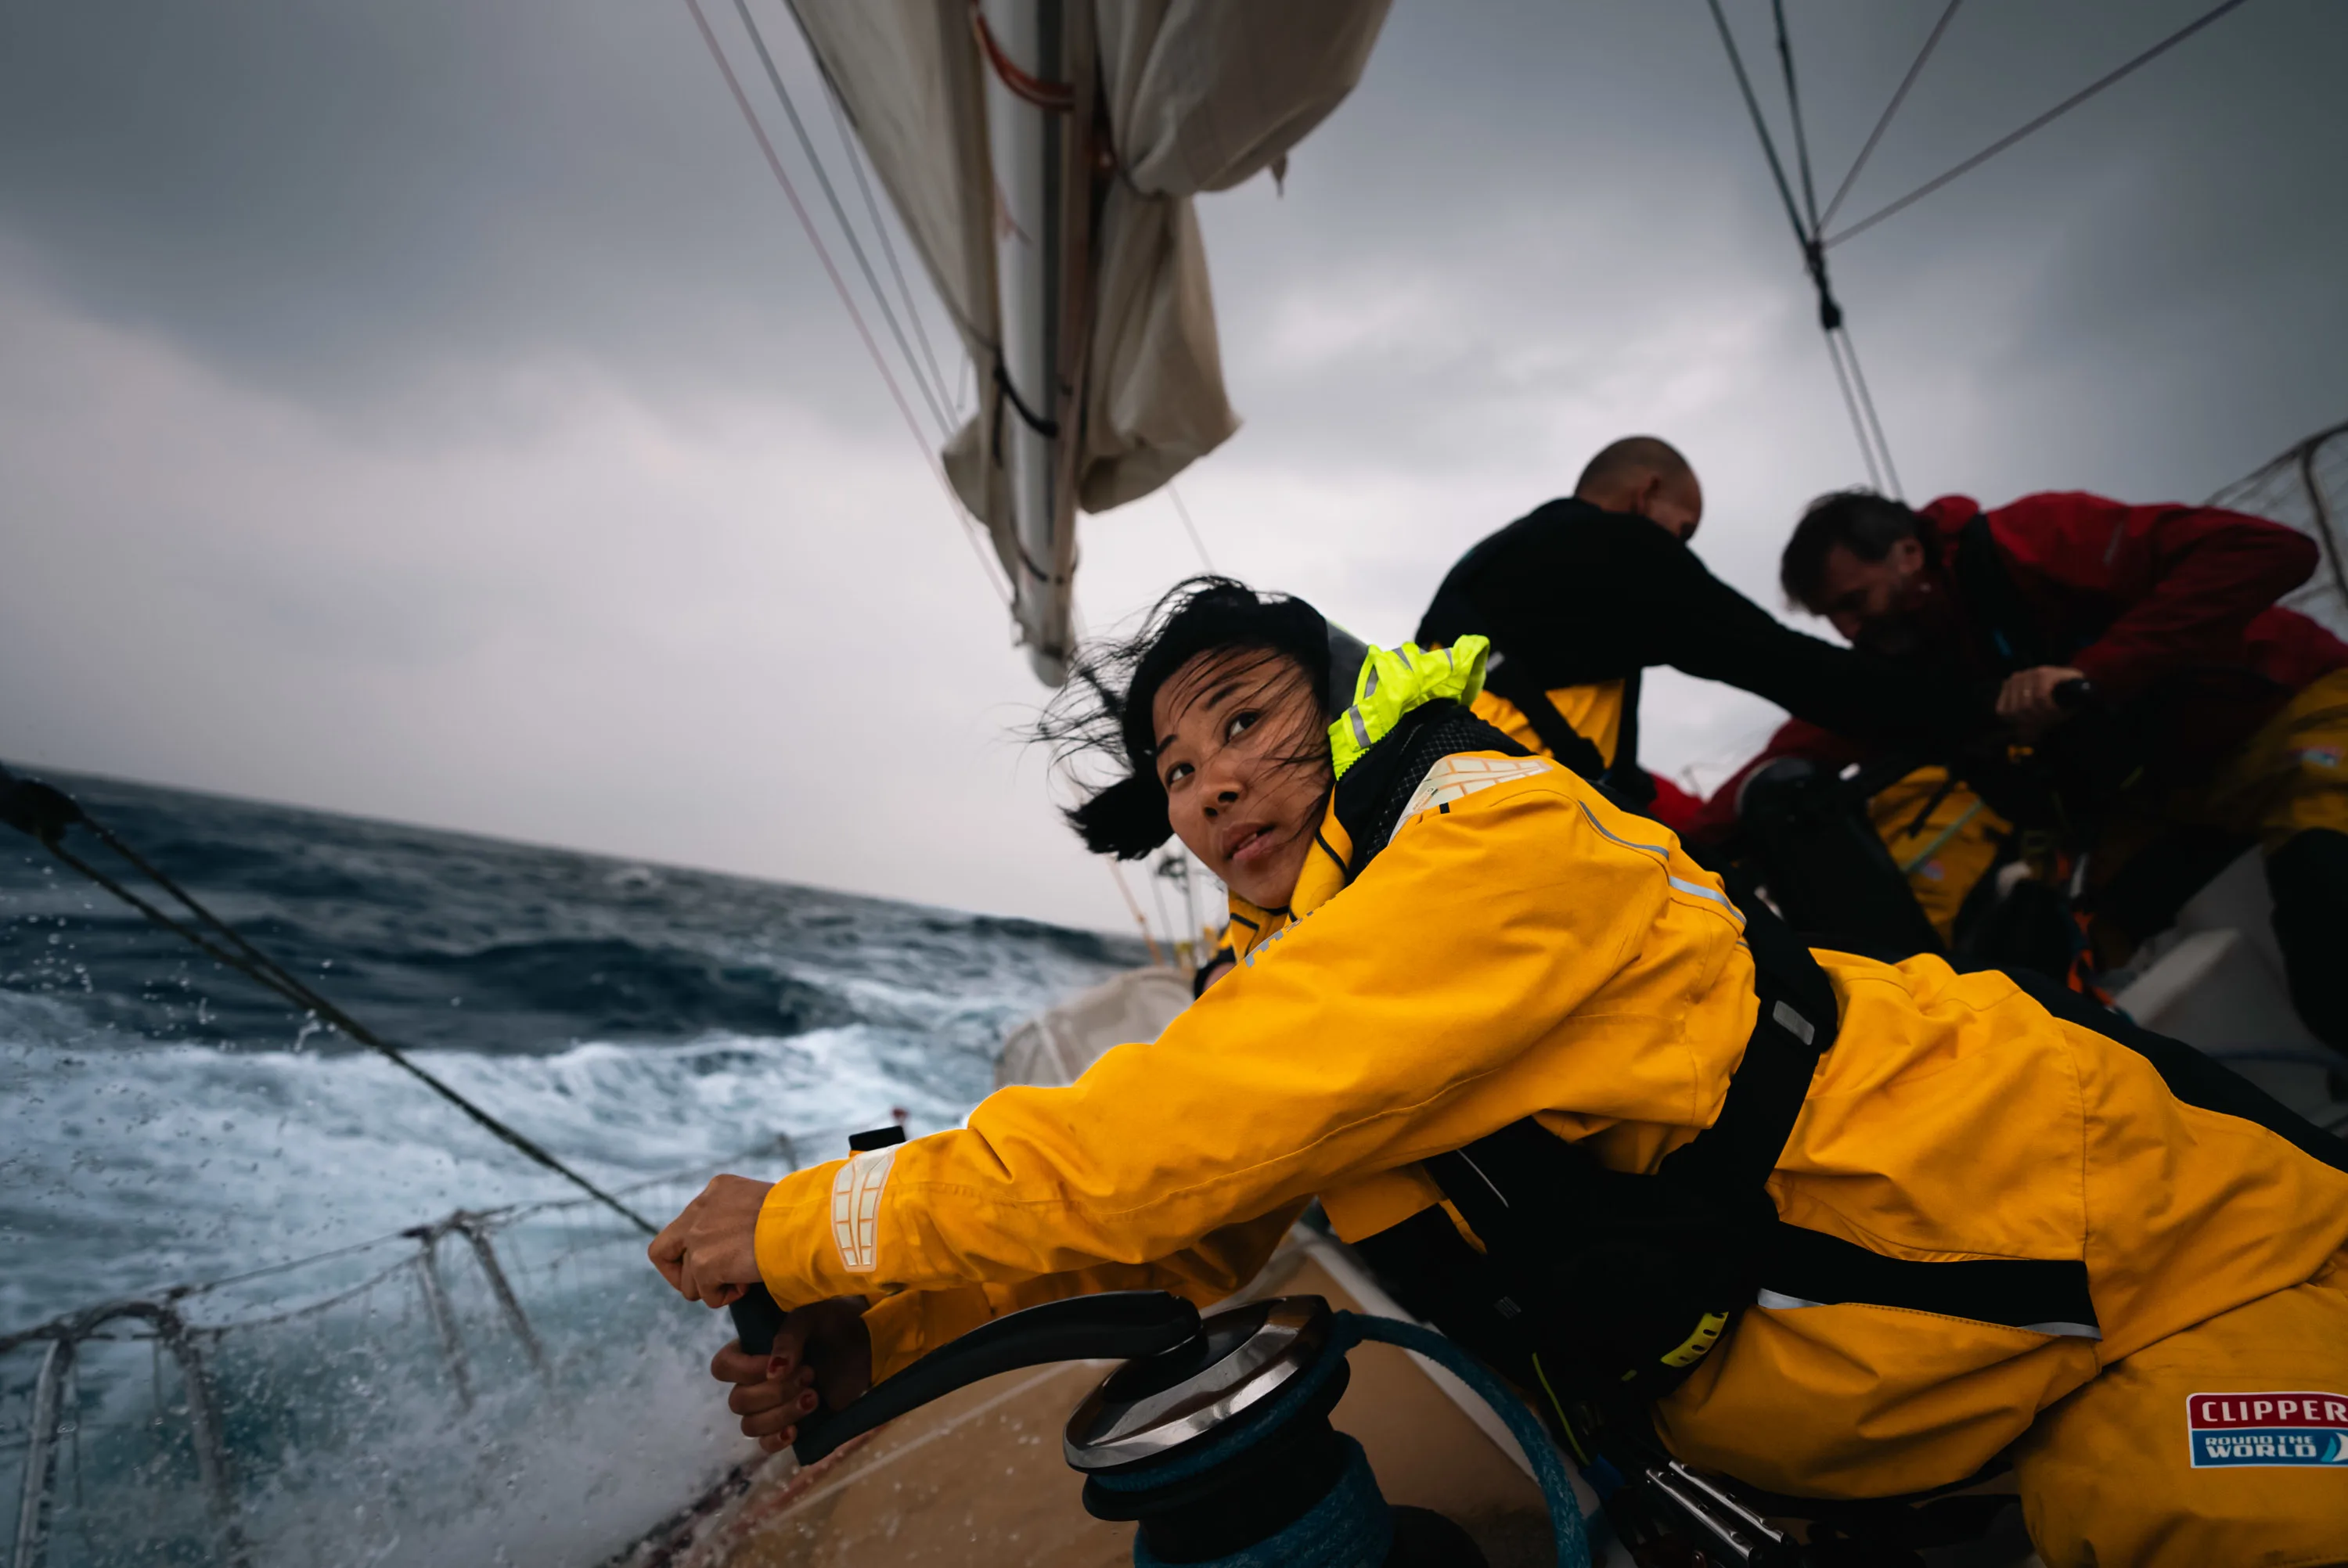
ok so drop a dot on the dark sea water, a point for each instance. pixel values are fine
(165, 1122)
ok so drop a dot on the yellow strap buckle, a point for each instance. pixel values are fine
(1695, 1346)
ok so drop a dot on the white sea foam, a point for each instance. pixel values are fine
(148, 1165)
(131, 1167)
(163, 1123)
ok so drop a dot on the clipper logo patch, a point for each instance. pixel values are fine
(2268, 1429)
(856, 1209)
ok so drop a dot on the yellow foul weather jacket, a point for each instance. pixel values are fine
(1522, 949)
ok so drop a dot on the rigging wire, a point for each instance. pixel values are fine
(1188, 526)
(1850, 405)
(1874, 449)
(1117, 875)
(952, 401)
(1158, 875)
(987, 564)
(1867, 402)
(1794, 107)
(1760, 126)
(2049, 117)
(46, 813)
(1890, 109)
(1873, 445)
(840, 215)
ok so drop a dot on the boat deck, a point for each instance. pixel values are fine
(978, 1476)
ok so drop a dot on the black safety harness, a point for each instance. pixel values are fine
(1623, 780)
(1606, 1289)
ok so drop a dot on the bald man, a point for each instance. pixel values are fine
(1582, 595)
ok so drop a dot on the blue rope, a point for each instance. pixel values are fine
(1564, 1509)
(1351, 1527)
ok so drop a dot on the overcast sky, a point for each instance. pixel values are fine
(431, 410)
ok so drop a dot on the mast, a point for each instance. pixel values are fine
(1044, 156)
(1037, 54)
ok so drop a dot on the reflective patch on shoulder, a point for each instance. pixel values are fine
(1699, 890)
(856, 1208)
(1778, 1301)
(1456, 778)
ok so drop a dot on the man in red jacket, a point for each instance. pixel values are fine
(2240, 706)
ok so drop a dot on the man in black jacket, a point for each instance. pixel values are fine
(1582, 595)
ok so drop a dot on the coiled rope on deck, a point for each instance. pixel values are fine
(46, 813)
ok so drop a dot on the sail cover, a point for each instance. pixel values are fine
(1043, 156)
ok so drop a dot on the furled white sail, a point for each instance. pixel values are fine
(1043, 155)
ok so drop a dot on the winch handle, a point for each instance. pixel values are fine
(758, 1318)
(1114, 1326)
(2077, 695)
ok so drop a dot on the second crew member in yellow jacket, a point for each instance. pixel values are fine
(1988, 1230)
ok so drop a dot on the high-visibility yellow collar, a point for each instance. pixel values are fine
(1392, 682)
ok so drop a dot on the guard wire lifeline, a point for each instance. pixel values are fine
(214, 1381)
(46, 813)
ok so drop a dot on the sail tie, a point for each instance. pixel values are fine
(1052, 97)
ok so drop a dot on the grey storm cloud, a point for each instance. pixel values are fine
(335, 197)
(1528, 166)
(432, 408)
(341, 200)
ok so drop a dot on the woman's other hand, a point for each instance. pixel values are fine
(707, 1252)
(823, 1354)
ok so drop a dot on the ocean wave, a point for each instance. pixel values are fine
(154, 1164)
(164, 1122)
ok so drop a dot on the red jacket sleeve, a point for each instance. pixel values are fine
(2185, 581)
(1674, 806)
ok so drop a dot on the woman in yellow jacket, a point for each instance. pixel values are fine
(1988, 1230)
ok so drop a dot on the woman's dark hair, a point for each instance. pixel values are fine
(1105, 710)
(1860, 521)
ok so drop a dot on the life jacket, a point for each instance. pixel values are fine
(1533, 952)
(1605, 1289)
(1606, 1286)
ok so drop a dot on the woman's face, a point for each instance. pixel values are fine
(1245, 762)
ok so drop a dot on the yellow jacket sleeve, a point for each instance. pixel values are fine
(912, 1323)
(1366, 1036)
